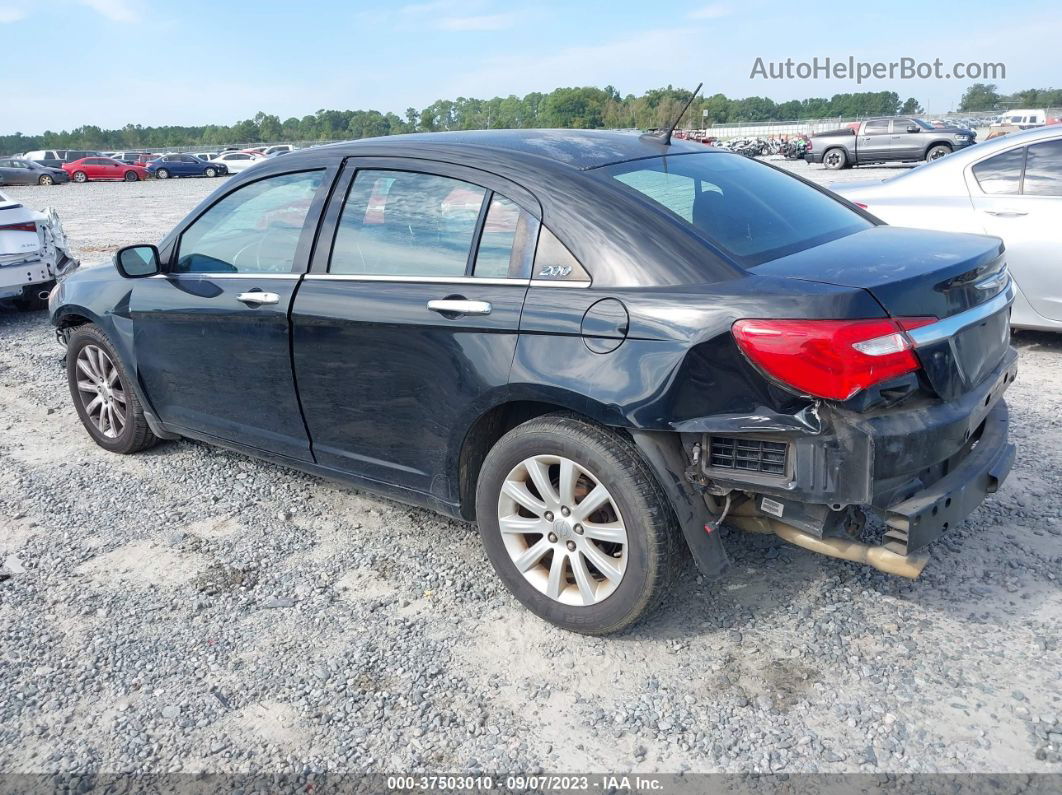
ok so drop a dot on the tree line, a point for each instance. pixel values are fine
(581, 107)
(985, 96)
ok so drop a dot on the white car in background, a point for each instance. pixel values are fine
(33, 253)
(238, 161)
(1010, 187)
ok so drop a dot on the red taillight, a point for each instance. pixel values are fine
(831, 359)
(19, 228)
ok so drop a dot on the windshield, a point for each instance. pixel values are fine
(752, 212)
(925, 125)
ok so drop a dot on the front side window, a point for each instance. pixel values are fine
(402, 223)
(1001, 175)
(254, 229)
(752, 212)
(1043, 170)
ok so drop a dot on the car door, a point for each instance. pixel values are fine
(906, 140)
(211, 333)
(875, 142)
(406, 327)
(1017, 195)
(9, 175)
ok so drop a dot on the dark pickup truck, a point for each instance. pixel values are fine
(885, 141)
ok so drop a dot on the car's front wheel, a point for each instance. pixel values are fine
(102, 392)
(937, 152)
(46, 179)
(211, 172)
(575, 524)
(131, 176)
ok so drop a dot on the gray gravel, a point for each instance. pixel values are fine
(192, 610)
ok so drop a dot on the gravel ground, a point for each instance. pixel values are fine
(189, 609)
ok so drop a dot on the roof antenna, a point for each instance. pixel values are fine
(665, 137)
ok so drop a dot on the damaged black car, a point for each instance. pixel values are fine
(597, 346)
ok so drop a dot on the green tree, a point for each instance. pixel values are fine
(911, 107)
(980, 96)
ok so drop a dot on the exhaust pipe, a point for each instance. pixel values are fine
(876, 557)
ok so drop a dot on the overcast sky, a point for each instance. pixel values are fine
(109, 62)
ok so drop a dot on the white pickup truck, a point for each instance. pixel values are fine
(33, 253)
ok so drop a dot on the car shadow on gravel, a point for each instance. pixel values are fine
(1036, 340)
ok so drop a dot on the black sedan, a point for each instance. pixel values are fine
(597, 346)
(17, 171)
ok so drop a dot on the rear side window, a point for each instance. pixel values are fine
(877, 127)
(402, 223)
(1001, 175)
(1043, 170)
(752, 212)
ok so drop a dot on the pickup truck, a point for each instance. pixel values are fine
(886, 141)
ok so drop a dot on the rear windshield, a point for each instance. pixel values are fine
(752, 212)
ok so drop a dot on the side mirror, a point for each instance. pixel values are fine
(136, 262)
(913, 128)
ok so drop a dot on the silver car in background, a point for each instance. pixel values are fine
(1010, 187)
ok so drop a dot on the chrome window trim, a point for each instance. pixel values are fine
(550, 283)
(378, 277)
(197, 275)
(950, 326)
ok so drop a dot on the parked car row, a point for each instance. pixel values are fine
(56, 166)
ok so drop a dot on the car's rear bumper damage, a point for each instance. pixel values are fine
(923, 466)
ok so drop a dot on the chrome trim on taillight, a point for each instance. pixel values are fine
(950, 326)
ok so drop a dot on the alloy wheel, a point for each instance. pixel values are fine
(46, 180)
(563, 530)
(101, 391)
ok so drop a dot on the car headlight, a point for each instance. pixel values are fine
(962, 137)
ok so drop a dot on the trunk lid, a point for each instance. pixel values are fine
(922, 273)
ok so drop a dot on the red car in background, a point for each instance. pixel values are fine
(104, 168)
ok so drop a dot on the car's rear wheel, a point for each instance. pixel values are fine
(46, 179)
(102, 392)
(131, 176)
(937, 152)
(162, 174)
(80, 176)
(575, 524)
(835, 159)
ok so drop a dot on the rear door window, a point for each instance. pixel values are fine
(876, 127)
(1001, 175)
(750, 211)
(1043, 169)
(404, 223)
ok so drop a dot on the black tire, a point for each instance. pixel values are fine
(80, 176)
(652, 535)
(835, 159)
(162, 174)
(46, 179)
(937, 151)
(210, 172)
(131, 176)
(135, 435)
